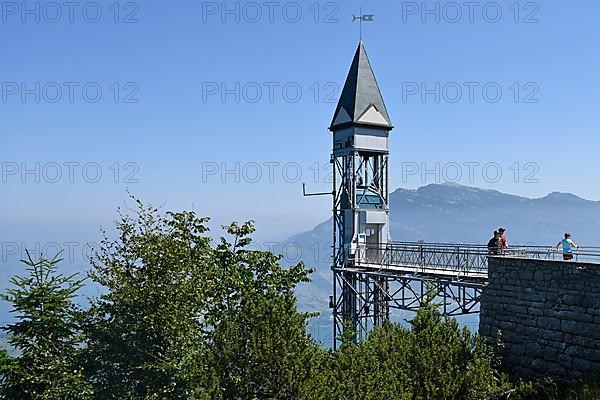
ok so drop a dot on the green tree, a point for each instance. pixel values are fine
(146, 334)
(46, 336)
(181, 319)
(373, 369)
(260, 340)
(447, 362)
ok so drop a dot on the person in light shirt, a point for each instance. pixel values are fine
(568, 246)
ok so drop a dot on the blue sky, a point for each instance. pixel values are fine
(163, 129)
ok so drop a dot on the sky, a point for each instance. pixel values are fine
(223, 107)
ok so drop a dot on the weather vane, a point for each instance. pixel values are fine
(363, 18)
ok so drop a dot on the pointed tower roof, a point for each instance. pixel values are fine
(361, 102)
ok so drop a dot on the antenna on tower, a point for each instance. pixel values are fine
(314, 194)
(363, 18)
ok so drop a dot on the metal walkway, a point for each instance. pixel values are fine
(461, 262)
(400, 275)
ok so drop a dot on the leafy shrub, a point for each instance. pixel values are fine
(432, 359)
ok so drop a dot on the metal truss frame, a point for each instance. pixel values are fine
(351, 294)
(363, 298)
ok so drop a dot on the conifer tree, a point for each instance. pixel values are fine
(45, 335)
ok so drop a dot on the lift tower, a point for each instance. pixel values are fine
(360, 127)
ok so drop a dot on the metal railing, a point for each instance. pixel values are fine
(456, 260)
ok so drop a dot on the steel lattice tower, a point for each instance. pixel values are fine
(360, 128)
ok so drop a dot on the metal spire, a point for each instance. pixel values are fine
(361, 102)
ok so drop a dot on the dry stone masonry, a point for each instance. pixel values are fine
(543, 316)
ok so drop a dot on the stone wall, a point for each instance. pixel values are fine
(543, 317)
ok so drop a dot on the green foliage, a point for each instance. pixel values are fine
(375, 369)
(146, 334)
(46, 336)
(259, 339)
(549, 390)
(5, 346)
(181, 319)
(449, 362)
(5, 363)
(433, 359)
